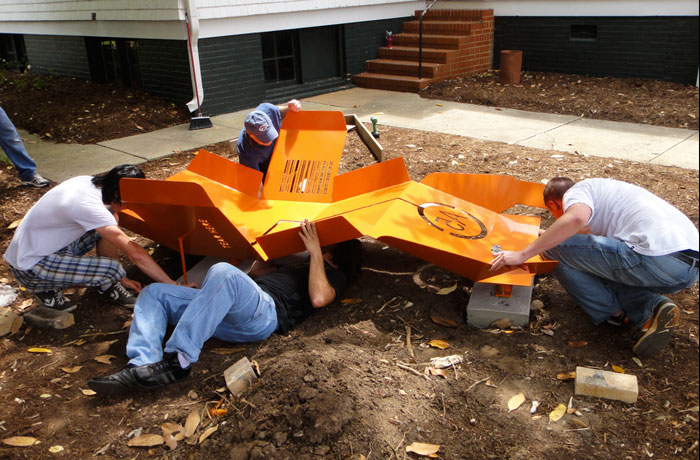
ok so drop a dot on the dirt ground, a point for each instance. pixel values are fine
(345, 384)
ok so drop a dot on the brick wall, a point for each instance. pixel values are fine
(362, 39)
(663, 48)
(232, 72)
(164, 69)
(63, 56)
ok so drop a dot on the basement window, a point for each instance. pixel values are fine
(583, 32)
(279, 57)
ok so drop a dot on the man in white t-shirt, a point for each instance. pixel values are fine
(619, 248)
(48, 251)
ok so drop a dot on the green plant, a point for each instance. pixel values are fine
(39, 83)
(20, 84)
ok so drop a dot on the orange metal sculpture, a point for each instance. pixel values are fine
(216, 207)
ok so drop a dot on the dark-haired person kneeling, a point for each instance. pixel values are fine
(48, 251)
(230, 306)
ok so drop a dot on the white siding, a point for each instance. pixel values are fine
(82, 10)
(164, 18)
(578, 7)
(166, 10)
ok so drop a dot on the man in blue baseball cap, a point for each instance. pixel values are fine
(259, 134)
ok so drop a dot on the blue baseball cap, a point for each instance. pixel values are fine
(259, 125)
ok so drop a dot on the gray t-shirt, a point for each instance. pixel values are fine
(648, 224)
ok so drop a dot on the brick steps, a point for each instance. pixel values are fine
(431, 41)
(406, 68)
(391, 82)
(439, 27)
(455, 42)
(403, 53)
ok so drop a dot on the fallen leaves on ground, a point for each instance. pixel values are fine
(420, 448)
(146, 440)
(515, 401)
(20, 441)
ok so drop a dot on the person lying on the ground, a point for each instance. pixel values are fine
(260, 132)
(230, 306)
(48, 251)
(11, 143)
(619, 248)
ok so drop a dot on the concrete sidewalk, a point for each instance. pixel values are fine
(628, 141)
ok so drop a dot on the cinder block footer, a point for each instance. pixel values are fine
(484, 307)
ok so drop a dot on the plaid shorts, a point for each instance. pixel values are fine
(71, 267)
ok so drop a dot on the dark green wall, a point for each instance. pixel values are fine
(662, 48)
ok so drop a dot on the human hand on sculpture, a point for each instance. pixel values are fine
(309, 236)
(508, 259)
(294, 105)
(131, 284)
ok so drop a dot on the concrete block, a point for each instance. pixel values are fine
(605, 384)
(484, 307)
(239, 376)
(49, 318)
(9, 322)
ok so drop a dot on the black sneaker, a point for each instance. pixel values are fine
(657, 332)
(120, 295)
(618, 321)
(144, 377)
(37, 181)
(55, 300)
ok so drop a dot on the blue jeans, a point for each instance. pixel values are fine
(604, 276)
(13, 147)
(230, 307)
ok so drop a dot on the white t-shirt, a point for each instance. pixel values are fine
(648, 224)
(60, 217)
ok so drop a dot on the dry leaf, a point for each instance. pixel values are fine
(637, 361)
(441, 344)
(208, 432)
(170, 441)
(438, 372)
(423, 449)
(227, 351)
(192, 423)
(503, 323)
(549, 332)
(20, 441)
(14, 224)
(617, 369)
(172, 427)
(447, 290)
(88, 392)
(577, 343)
(71, 370)
(56, 449)
(557, 413)
(566, 375)
(26, 304)
(146, 440)
(104, 359)
(39, 350)
(515, 402)
(44, 396)
(443, 321)
(350, 301)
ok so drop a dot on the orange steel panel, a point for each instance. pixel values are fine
(306, 157)
(451, 220)
(493, 192)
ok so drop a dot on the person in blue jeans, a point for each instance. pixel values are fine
(619, 247)
(12, 145)
(230, 306)
(260, 132)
